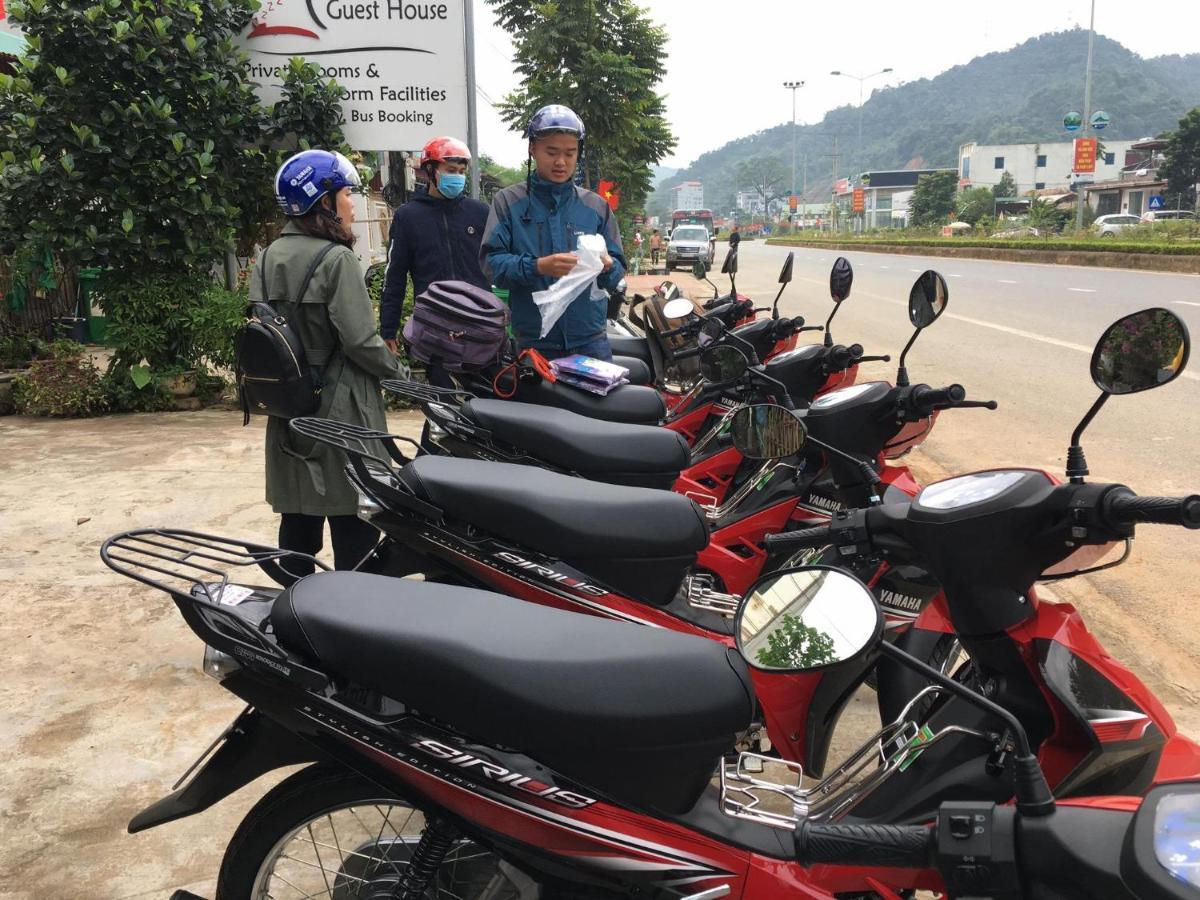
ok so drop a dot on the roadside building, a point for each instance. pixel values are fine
(886, 195)
(1036, 167)
(688, 195)
(1131, 191)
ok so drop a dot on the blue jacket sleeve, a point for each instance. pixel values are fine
(504, 267)
(612, 237)
(395, 285)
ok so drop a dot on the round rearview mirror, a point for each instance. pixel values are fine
(699, 269)
(723, 364)
(678, 308)
(802, 619)
(767, 431)
(841, 277)
(928, 298)
(1141, 351)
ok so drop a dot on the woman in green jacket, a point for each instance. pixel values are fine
(306, 483)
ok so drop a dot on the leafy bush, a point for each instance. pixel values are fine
(66, 384)
(124, 395)
(20, 350)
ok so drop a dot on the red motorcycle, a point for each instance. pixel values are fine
(464, 744)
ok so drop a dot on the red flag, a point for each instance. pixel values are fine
(611, 193)
(3, 14)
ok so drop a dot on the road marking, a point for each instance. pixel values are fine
(885, 267)
(1006, 281)
(954, 276)
(1185, 303)
(1083, 290)
(918, 271)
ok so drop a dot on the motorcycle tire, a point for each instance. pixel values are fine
(896, 685)
(295, 827)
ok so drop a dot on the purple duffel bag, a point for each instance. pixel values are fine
(457, 326)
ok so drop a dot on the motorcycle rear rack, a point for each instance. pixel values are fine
(423, 393)
(194, 569)
(892, 749)
(375, 474)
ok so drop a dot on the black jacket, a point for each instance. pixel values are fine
(432, 239)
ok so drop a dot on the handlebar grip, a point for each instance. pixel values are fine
(672, 332)
(807, 537)
(841, 357)
(931, 397)
(900, 846)
(687, 353)
(1129, 509)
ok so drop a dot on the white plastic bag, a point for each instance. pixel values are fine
(553, 301)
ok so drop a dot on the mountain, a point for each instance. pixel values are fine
(1014, 96)
(659, 174)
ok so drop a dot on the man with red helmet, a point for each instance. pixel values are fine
(436, 235)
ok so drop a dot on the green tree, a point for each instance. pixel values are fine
(974, 204)
(1006, 187)
(604, 60)
(493, 176)
(127, 135)
(1182, 167)
(765, 175)
(1046, 217)
(794, 645)
(932, 199)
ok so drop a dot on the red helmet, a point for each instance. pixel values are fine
(443, 148)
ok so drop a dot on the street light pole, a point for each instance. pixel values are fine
(1087, 116)
(793, 86)
(861, 79)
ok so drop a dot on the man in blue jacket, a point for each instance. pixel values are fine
(435, 236)
(533, 232)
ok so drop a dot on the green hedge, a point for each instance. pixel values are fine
(1098, 245)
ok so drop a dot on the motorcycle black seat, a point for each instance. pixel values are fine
(559, 515)
(638, 712)
(578, 443)
(639, 370)
(630, 403)
(630, 345)
(513, 672)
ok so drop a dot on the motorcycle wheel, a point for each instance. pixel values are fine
(330, 833)
(896, 685)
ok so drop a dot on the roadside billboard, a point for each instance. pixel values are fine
(1085, 155)
(401, 64)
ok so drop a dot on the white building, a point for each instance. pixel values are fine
(749, 202)
(689, 195)
(1035, 167)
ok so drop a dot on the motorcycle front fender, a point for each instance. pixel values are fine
(252, 746)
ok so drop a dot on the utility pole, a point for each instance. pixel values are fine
(861, 79)
(1087, 116)
(835, 155)
(793, 86)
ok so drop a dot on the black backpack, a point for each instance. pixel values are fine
(273, 375)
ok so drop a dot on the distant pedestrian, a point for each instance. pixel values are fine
(655, 246)
(735, 238)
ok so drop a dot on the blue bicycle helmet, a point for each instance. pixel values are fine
(554, 119)
(308, 176)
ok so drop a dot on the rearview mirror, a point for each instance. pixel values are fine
(841, 277)
(699, 270)
(720, 365)
(785, 274)
(729, 267)
(767, 431)
(803, 619)
(928, 298)
(678, 308)
(1144, 350)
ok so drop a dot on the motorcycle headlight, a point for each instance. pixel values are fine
(217, 664)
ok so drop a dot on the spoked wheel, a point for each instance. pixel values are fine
(332, 834)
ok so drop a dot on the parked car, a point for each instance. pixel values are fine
(689, 243)
(1168, 215)
(1114, 224)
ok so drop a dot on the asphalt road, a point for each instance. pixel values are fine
(1023, 335)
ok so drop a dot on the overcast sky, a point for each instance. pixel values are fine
(727, 62)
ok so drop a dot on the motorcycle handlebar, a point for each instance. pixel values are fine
(843, 357)
(901, 846)
(930, 398)
(688, 353)
(1126, 508)
(672, 332)
(807, 537)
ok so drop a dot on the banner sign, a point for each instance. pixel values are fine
(1085, 155)
(1073, 121)
(401, 64)
(860, 200)
(841, 186)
